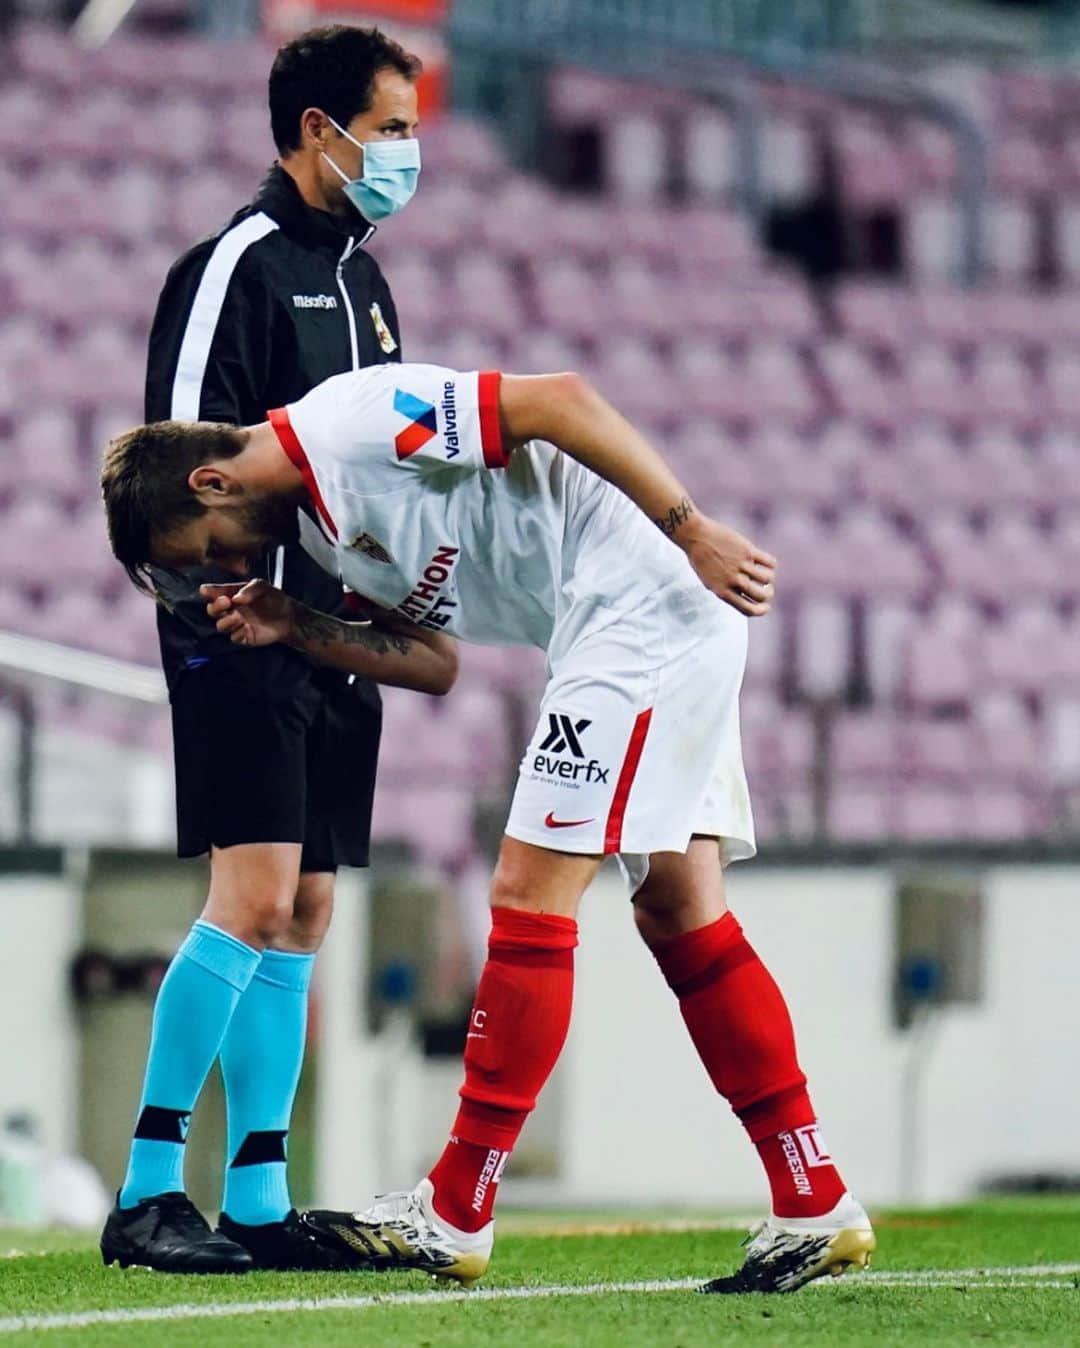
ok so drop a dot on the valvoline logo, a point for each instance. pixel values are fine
(422, 426)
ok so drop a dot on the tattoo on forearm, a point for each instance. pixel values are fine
(669, 523)
(322, 628)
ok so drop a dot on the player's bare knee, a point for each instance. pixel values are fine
(659, 921)
(511, 887)
(271, 916)
(311, 913)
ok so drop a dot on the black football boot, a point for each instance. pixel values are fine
(169, 1233)
(290, 1244)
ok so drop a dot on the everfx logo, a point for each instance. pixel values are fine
(422, 424)
(563, 734)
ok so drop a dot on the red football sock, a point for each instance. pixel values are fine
(739, 1022)
(516, 1033)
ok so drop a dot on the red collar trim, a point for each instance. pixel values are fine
(290, 443)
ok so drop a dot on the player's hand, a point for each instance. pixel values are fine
(250, 614)
(729, 565)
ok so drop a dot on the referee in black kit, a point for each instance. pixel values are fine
(275, 760)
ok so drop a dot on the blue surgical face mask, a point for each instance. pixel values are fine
(391, 168)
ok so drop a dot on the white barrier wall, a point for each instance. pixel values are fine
(1001, 1088)
(39, 1071)
(631, 1116)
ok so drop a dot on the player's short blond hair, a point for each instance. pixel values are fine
(144, 484)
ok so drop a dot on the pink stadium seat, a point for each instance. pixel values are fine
(1011, 239)
(876, 316)
(1061, 739)
(861, 814)
(789, 159)
(926, 813)
(1003, 387)
(889, 627)
(935, 383)
(1004, 473)
(1020, 165)
(932, 154)
(638, 298)
(172, 135)
(932, 239)
(18, 612)
(811, 560)
(943, 657)
(998, 814)
(711, 242)
(955, 318)
(824, 644)
(778, 744)
(205, 203)
(777, 385)
(1009, 749)
(871, 163)
(857, 386)
(765, 659)
(1033, 97)
(45, 457)
(718, 467)
(463, 149)
(943, 751)
(866, 747)
(514, 222)
(571, 299)
(1020, 316)
(635, 155)
(709, 154)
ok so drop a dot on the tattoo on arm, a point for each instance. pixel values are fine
(668, 524)
(322, 628)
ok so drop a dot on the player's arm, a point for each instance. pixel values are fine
(565, 410)
(385, 648)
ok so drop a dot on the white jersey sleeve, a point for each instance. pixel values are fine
(361, 430)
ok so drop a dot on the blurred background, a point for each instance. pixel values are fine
(827, 252)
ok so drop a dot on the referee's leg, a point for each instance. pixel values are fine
(240, 741)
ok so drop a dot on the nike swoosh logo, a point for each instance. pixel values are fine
(552, 822)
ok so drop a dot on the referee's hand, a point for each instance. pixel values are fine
(250, 614)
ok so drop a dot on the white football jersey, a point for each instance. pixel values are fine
(420, 509)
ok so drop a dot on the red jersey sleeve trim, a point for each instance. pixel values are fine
(491, 441)
(290, 443)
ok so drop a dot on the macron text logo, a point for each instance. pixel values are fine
(422, 425)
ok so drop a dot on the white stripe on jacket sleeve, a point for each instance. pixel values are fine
(205, 312)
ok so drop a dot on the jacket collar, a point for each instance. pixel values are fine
(279, 197)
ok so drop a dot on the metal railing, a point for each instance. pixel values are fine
(22, 657)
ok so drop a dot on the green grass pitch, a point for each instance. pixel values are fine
(1004, 1272)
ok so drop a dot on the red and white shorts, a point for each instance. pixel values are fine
(631, 756)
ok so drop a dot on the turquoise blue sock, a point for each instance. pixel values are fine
(197, 997)
(261, 1060)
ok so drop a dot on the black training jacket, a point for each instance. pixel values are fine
(249, 319)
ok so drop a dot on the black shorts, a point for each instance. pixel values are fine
(270, 749)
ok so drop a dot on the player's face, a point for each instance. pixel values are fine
(393, 115)
(228, 537)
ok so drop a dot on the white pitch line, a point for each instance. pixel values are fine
(1049, 1276)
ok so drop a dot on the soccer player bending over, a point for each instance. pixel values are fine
(526, 510)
